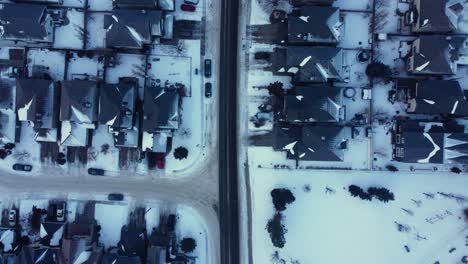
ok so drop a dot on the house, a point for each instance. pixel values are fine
(133, 235)
(113, 257)
(117, 110)
(160, 117)
(168, 5)
(37, 103)
(132, 29)
(314, 24)
(311, 2)
(8, 131)
(311, 143)
(78, 112)
(25, 25)
(58, 2)
(51, 233)
(426, 142)
(38, 254)
(13, 66)
(437, 55)
(314, 103)
(444, 97)
(80, 243)
(308, 64)
(435, 16)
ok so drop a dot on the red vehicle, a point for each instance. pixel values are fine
(188, 8)
(160, 160)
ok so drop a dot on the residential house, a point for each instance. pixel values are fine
(79, 244)
(59, 2)
(51, 233)
(311, 2)
(132, 29)
(161, 107)
(314, 24)
(168, 5)
(8, 124)
(311, 143)
(429, 142)
(13, 66)
(437, 55)
(435, 16)
(133, 236)
(78, 112)
(117, 110)
(37, 103)
(113, 257)
(314, 103)
(441, 97)
(25, 25)
(308, 64)
(38, 254)
(309, 25)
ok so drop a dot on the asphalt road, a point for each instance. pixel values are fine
(228, 159)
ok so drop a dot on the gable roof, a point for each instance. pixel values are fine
(117, 103)
(319, 103)
(160, 109)
(308, 64)
(79, 101)
(25, 22)
(314, 24)
(437, 54)
(34, 254)
(36, 101)
(431, 16)
(438, 97)
(127, 28)
(312, 143)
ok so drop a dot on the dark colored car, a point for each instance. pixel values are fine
(22, 167)
(188, 8)
(96, 172)
(115, 197)
(207, 68)
(208, 90)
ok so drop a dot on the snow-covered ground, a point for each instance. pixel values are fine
(71, 34)
(334, 227)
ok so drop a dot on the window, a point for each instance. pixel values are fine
(398, 139)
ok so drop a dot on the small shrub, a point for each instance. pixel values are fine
(188, 245)
(281, 198)
(277, 230)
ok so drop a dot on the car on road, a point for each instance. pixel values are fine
(60, 213)
(12, 217)
(22, 167)
(188, 8)
(208, 90)
(115, 197)
(191, 2)
(96, 172)
(207, 68)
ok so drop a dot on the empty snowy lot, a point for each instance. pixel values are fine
(333, 227)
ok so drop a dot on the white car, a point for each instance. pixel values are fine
(60, 212)
(12, 217)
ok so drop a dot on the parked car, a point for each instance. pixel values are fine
(188, 8)
(208, 90)
(191, 2)
(22, 167)
(160, 160)
(207, 68)
(12, 217)
(60, 213)
(115, 197)
(96, 172)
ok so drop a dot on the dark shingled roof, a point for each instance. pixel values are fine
(438, 97)
(41, 97)
(24, 22)
(308, 64)
(160, 109)
(117, 103)
(313, 24)
(33, 254)
(79, 101)
(437, 54)
(132, 28)
(318, 103)
(313, 143)
(432, 17)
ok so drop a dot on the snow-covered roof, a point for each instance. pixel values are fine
(79, 101)
(314, 24)
(160, 109)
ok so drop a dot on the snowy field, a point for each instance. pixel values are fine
(334, 227)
